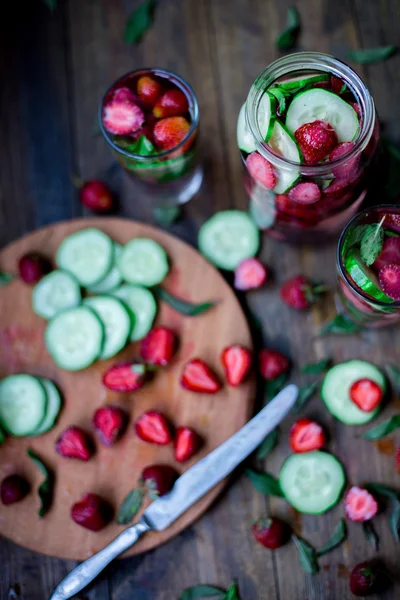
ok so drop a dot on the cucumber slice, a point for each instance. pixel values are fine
(87, 254)
(143, 262)
(54, 403)
(55, 292)
(143, 306)
(23, 402)
(297, 83)
(317, 104)
(116, 321)
(284, 144)
(312, 482)
(229, 237)
(113, 279)
(74, 338)
(335, 391)
(266, 115)
(363, 276)
(245, 139)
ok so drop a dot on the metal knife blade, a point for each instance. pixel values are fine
(205, 474)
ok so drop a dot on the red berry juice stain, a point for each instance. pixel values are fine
(19, 345)
(386, 446)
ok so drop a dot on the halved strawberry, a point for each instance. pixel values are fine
(272, 364)
(124, 94)
(187, 443)
(122, 117)
(389, 279)
(306, 435)
(92, 512)
(250, 274)
(110, 423)
(148, 90)
(197, 376)
(154, 427)
(316, 140)
(125, 377)
(305, 193)
(158, 347)
(360, 505)
(171, 104)
(236, 360)
(170, 132)
(367, 394)
(75, 443)
(261, 170)
(97, 196)
(159, 479)
(389, 255)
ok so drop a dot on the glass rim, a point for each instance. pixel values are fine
(315, 61)
(182, 84)
(340, 264)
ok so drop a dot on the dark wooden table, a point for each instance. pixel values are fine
(54, 69)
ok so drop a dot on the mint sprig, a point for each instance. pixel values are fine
(371, 243)
(265, 483)
(368, 56)
(287, 38)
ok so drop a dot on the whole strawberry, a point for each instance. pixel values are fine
(96, 196)
(368, 578)
(300, 292)
(13, 489)
(271, 532)
(32, 267)
(159, 479)
(272, 364)
(92, 512)
(316, 140)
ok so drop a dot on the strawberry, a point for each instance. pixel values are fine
(13, 489)
(348, 170)
(368, 578)
(171, 104)
(32, 267)
(159, 479)
(271, 532)
(306, 435)
(125, 377)
(272, 364)
(110, 423)
(261, 170)
(122, 117)
(236, 360)
(366, 394)
(250, 274)
(392, 222)
(96, 196)
(357, 108)
(187, 443)
(305, 193)
(154, 428)
(316, 140)
(299, 211)
(360, 505)
(389, 255)
(92, 512)
(158, 347)
(397, 460)
(336, 84)
(197, 376)
(74, 443)
(124, 94)
(170, 132)
(148, 90)
(389, 279)
(299, 292)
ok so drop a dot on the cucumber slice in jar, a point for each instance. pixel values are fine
(245, 139)
(143, 307)
(116, 321)
(113, 279)
(143, 262)
(55, 292)
(335, 391)
(87, 254)
(363, 276)
(284, 144)
(74, 338)
(266, 115)
(228, 238)
(53, 408)
(316, 104)
(312, 482)
(297, 83)
(23, 402)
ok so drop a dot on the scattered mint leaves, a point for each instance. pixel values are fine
(394, 516)
(369, 56)
(305, 394)
(268, 444)
(371, 243)
(338, 537)
(341, 324)
(139, 22)
(287, 38)
(46, 488)
(371, 535)
(307, 555)
(383, 429)
(5, 278)
(265, 483)
(130, 506)
(316, 368)
(189, 309)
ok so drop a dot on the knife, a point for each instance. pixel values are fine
(189, 488)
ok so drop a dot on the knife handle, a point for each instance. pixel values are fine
(84, 573)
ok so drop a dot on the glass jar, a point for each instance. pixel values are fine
(340, 182)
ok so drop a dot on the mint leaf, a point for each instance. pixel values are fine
(394, 516)
(268, 444)
(287, 38)
(341, 324)
(5, 278)
(383, 429)
(232, 593)
(317, 367)
(307, 555)
(139, 22)
(265, 483)
(371, 535)
(203, 591)
(130, 506)
(371, 243)
(353, 237)
(305, 394)
(337, 538)
(189, 309)
(368, 56)
(145, 147)
(274, 386)
(46, 488)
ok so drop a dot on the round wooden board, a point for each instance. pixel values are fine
(112, 472)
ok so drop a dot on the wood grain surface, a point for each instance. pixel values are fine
(56, 68)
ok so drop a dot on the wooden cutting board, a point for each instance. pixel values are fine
(112, 472)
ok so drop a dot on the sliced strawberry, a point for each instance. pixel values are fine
(125, 377)
(261, 170)
(389, 279)
(158, 347)
(110, 423)
(187, 443)
(170, 132)
(154, 427)
(13, 489)
(306, 435)
(75, 443)
(316, 140)
(122, 117)
(300, 292)
(171, 104)
(159, 479)
(392, 221)
(389, 255)
(124, 94)
(237, 363)
(360, 505)
(305, 193)
(367, 394)
(250, 274)
(148, 90)
(197, 376)
(96, 196)
(271, 532)
(272, 364)
(92, 512)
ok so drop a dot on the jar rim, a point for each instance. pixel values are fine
(314, 61)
